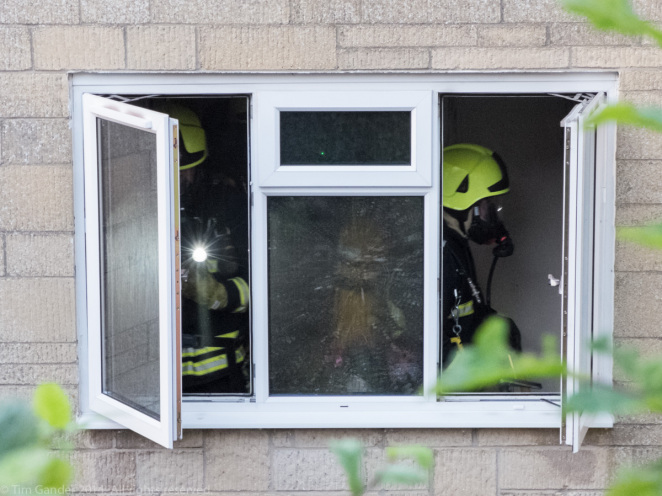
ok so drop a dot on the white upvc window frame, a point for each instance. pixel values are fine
(167, 428)
(585, 146)
(271, 174)
(269, 92)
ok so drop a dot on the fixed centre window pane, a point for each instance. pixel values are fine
(129, 282)
(345, 138)
(345, 295)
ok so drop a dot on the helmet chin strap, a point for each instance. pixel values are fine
(457, 220)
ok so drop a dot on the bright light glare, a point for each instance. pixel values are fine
(199, 254)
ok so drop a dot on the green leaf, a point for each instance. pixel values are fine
(602, 345)
(490, 361)
(627, 359)
(57, 474)
(52, 405)
(401, 474)
(627, 113)
(602, 399)
(649, 235)
(350, 454)
(18, 427)
(422, 455)
(613, 15)
(22, 467)
(641, 481)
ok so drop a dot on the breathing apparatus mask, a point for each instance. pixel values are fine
(486, 227)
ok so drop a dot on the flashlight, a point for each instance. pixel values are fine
(199, 254)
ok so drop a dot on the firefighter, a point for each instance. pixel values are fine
(473, 177)
(214, 272)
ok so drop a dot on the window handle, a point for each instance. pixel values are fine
(552, 281)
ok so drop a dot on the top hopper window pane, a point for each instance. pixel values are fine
(345, 138)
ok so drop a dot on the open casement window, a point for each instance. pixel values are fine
(584, 161)
(131, 177)
(558, 223)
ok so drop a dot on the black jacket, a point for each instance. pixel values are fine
(458, 269)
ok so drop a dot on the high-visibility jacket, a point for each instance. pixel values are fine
(213, 360)
(216, 340)
(215, 298)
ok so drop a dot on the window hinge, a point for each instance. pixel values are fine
(577, 98)
(124, 99)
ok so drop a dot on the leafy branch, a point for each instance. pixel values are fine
(613, 15)
(28, 435)
(350, 455)
(619, 16)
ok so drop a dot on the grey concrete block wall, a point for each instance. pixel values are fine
(41, 44)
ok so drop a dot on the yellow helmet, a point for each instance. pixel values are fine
(471, 173)
(192, 138)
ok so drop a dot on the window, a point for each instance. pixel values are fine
(282, 236)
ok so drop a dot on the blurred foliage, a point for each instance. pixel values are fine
(627, 113)
(613, 15)
(649, 235)
(350, 455)
(644, 375)
(490, 361)
(28, 437)
(618, 16)
(486, 362)
(640, 481)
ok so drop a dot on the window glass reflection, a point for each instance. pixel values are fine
(345, 138)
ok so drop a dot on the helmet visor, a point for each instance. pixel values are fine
(488, 211)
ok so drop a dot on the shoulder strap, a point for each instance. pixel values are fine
(463, 272)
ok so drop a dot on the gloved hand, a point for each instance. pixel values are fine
(201, 287)
(504, 244)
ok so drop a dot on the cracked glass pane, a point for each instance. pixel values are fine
(345, 295)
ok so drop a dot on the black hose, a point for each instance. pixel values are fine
(488, 293)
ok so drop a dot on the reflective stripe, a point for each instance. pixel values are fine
(229, 335)
(199, 351)
(244, 294)
(464, 309)
(458, 341)
(205, 366)
(239, 353)
(217, 361)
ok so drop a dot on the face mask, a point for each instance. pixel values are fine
(486, 228)
(485, 223)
